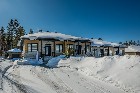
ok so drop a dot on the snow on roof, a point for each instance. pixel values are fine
(14, 50)
(96, 42)
(54, 35)
(133, 48)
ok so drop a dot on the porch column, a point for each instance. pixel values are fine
(78, 48)
(94, 51)
(41, 48)
(65, 46)
(90, 47)
(85, 48)
(118, 50)
(108, 52)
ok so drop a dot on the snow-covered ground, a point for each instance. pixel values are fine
(112, 74)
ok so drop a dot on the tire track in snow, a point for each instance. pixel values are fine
(14, 81)
(59, 86)
(83, 80)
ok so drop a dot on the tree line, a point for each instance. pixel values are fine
(10, 36)
(131, 42)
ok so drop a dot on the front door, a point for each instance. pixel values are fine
(79, 47)
(48, 50)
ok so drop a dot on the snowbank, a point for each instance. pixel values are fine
(14, 50)
(121, 71)
(54, 61)
(28, 62)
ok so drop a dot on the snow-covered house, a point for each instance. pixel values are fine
(54, 44)
(132, 50)
(104, 48)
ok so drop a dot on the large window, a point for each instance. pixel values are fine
(59, 48)
(70, 46)
(32, 47)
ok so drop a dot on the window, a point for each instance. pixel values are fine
(32, 47)
(70, 46)
(88, 48)
(59, 48)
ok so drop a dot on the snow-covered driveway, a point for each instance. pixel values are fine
(74, 75)
(35, 79)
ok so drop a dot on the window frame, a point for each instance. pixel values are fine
(32, 49)
(59, 48)
(69, 46)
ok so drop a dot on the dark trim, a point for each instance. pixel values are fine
(54, 49)
(49, 49)
(85, 48)
(118, 51)
(41, 48)
(31, 46)
(59, 47)
(108, 51)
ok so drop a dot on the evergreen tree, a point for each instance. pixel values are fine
(100, 39)
(138, 43)
(134, 43)
(12, 30)
(31, 31)
(19, 32)
(120, 43)
(126, 43)
(2, 39)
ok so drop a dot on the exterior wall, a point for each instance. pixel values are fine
(83, 47)
(52, 43)
(44, 43)
(112, 51)
(130, 53)
(26, 42)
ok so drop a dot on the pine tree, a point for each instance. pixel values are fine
(138, 43)
(31, 31)
(134, 43)
(2, 39)
(19, 32)
(100, 39)
(12, 30)
(120, 43)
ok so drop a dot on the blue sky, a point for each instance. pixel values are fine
(112, 20)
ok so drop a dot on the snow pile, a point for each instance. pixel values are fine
(54, 61)
(28, 62)
(133, 48)
(14, 50)
(121, 71)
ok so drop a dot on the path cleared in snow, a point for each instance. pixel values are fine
(37, 79)
(74, 75)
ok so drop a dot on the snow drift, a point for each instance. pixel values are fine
(121, 71)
